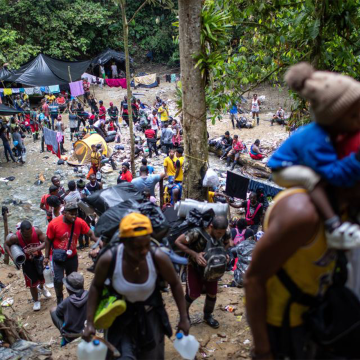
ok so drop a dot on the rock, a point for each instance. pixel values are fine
(221, 335)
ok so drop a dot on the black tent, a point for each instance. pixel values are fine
(106, 58)
(4, 73)
(108, 55)
(45, 71)
(5, 110)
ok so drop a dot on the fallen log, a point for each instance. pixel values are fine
(245, 160)
(11, 331)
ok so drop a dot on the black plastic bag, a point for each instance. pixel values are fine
(109, 221)
(104, 199)
(158, 220)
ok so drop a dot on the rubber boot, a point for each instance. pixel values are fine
(258, 121)
(233, 165)
(209, 307)
(59, 293)
(228, 160)
(34, 137)
(188, 302)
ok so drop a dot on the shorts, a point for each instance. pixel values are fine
(195, 284)
(32, 278)
(257, 156)
(296, 175)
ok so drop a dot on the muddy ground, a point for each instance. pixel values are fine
(232, 340)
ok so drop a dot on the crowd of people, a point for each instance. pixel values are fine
(290, 256)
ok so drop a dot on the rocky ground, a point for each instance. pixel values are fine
(22, 196)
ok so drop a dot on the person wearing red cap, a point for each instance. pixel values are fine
(113, 112)
(60, 128)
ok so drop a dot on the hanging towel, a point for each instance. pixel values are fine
(236, 185)
(145, 80)
(37, 90)
(42, 89)
(15, 91)
(29, 91)
(1, 90)
(76, 88)
(50, 138)
(7, 92)
(173, 78)
(54, 89)
(116, 83)
(22, 90)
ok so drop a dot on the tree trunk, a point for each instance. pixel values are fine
(128, 80)
(193, 100)
(6, 233)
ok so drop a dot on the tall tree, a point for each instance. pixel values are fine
(193, 99)
(125, 23)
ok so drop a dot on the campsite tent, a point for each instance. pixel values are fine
(45, 71)
(4, 73)
(6, 110)
(106, 58)
(82, 149)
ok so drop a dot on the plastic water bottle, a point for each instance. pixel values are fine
(93, 350)
(49, 280)
(186, 346)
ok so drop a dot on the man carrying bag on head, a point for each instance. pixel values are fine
(62, 236)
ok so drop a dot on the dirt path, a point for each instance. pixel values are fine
(231, 341)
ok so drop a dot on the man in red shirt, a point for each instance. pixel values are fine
(237, 147)
(102, 110)
(45, 108)
(125, 173)
(53, 190)
(151, 140)
(62, 235)
(31, 240)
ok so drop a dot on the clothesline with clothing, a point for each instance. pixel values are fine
(76, 89)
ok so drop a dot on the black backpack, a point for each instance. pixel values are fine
(333, 320)
(215, 256)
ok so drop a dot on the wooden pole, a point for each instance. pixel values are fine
(4, 212)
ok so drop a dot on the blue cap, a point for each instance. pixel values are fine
(96, 342)
(179, 335)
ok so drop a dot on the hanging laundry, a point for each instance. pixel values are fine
(15, 91)
(76, 88)
(37, 90)
(22, 90)
(50, 138)
(54, 89)
(173, 78)
(29, 91)
(42, 89)
(7, 91)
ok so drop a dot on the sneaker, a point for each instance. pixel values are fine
(45, 292)
(345, 237)
(36, 306)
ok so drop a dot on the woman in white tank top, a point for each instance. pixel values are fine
(133, 270)
(255, 108)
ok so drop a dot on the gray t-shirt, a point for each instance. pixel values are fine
(17, 137)
(149, 182)
(166, 136)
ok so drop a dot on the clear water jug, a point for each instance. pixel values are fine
(93, 350)
(186, 346)
(48, 276)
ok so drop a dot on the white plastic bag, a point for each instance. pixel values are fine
(211, 178)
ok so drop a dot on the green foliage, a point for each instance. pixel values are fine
(80, 29)
(267, 37)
